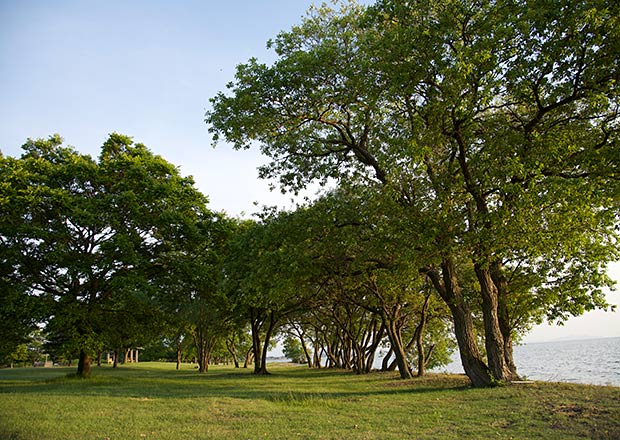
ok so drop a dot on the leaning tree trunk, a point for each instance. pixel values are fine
(385, 363)
(317, 349)
(397, 347)
(494, 340)
(449, 290)
(268, 333)
(377, 336)
(504, 317)
(304, 347)
(249, 358)
(84, 364)
(418, 335)
(230, 346)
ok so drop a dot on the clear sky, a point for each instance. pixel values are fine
(147, 68)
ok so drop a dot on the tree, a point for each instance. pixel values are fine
(489, 122)
(88, 236)
(265, 277)
(523, 125)
(19, 316)
(194, 301)
(20, 312)
(293, 350)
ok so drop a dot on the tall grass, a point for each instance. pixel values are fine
(154, 401)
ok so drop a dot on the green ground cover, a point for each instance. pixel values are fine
(154, 401)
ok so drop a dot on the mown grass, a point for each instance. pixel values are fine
(154, 401)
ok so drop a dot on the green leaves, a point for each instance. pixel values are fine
(494, 125)
(91, 236)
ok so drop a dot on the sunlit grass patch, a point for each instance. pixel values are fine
(155, 401)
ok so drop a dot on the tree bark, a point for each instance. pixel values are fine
(84, 365)
(230, 346)
(256, 324)
(386, 360)
(317, 349)
(504, 317)
(179, 350)
(304, 347)
(204, 342)
(372, 350)
(397, 347)
(249, 358)
(449, 290)
(494, 340)
(270, 327)
(418, 335)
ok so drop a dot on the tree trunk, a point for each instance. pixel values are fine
(504, 316)
(418, 335)
(256, 323)
(179, 351)
(230, 346)
(272, 323)
(449, 290)
(317, 353)
(84, 367)
(304, 347)
(249, 358)
(429, 354)
(203, 345)
(375, 336)
(386, 360)
(494, 340)
(115, 364)
(397, 347)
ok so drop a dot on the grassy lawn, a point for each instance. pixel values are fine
(154, 401)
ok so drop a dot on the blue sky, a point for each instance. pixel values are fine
(147, 68)
(143, 68)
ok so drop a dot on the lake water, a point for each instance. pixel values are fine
(589, 361)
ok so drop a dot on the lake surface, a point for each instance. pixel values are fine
(588, 361)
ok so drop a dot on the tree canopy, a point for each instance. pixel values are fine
(471, 149)
(494, 123)
(88, 237)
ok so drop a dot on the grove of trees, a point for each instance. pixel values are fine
(493, 125)
(470, 155)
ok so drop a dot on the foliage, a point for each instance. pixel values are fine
(494, 125)
(88, 236)
(293, 350)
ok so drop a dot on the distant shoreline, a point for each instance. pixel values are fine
(569, 339)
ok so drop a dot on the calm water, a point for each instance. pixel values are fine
(590, 361)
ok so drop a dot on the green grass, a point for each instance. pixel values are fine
(154, 401)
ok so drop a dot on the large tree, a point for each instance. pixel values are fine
(255, 283)
(491, 122)
(195, 301)
(88, 235)
(361, 254)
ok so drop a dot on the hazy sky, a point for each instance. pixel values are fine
(147, 68)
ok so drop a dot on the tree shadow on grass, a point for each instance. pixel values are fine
(288, 385)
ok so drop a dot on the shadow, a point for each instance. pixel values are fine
(289, 385)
